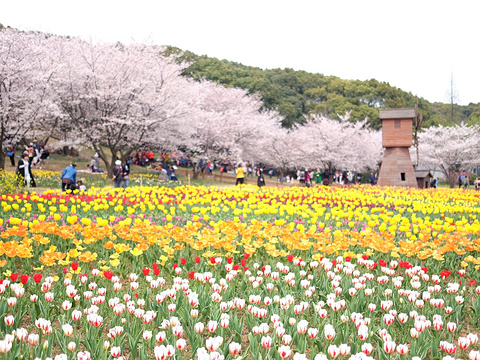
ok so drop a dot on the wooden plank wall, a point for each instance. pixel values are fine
(392, 137)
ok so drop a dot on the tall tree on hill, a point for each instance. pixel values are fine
(24, 92)
(117, 97)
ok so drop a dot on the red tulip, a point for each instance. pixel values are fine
(445, 273)
(74, 266)
(24, 278)
(14, 277)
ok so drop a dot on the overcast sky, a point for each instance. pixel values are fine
(413, 45)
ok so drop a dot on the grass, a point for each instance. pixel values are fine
(139, 175)
(49, 176)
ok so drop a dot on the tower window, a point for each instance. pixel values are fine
(397, 124)
(402, 176)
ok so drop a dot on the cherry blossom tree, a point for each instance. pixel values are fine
(324, 143)
(227, 122)
(117, 97)
(25, 100)
(280, 148)
(333, 144)
(450, 149)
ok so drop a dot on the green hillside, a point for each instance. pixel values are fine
(297, 93)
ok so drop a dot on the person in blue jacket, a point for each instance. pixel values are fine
(69, 178)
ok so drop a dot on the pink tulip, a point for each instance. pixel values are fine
(83, 355)
(284, 351)
(286, 339)
(329, 331)
(302, 327)
(181, 344)
(367, 348)
(160, 352)
(312, 333)
(234, 348)
(463, 342)
(212, 326)
(266, 342)
(389, 347)
(388, 319)
(451, 326)
(402, 349)
(344, 349)
(333, 350)
(160, 337)
(9, 320)
(5, 346)
(33, 339)
(474, 355)
(115, 351)
(199, 327)
(473, 338)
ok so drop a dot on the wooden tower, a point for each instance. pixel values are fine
(397, 168)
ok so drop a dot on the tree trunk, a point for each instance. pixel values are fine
(196, 171)
(451, 181)
(2, 159)
(2, 154)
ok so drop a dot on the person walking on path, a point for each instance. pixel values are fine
(31, 153)
(466, 181)
(69, 177)
(306, 178)
(125, 174)
(240, 175)
(11, 154)
(260, 179)
(317, 175)
(118, 174)
(24, 172)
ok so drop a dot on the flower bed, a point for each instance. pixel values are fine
(318, 273)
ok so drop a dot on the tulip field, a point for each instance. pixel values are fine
(240, 273)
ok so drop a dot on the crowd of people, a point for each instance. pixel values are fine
(34, 155)
(304, 177)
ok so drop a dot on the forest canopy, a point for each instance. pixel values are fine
(298, 93)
